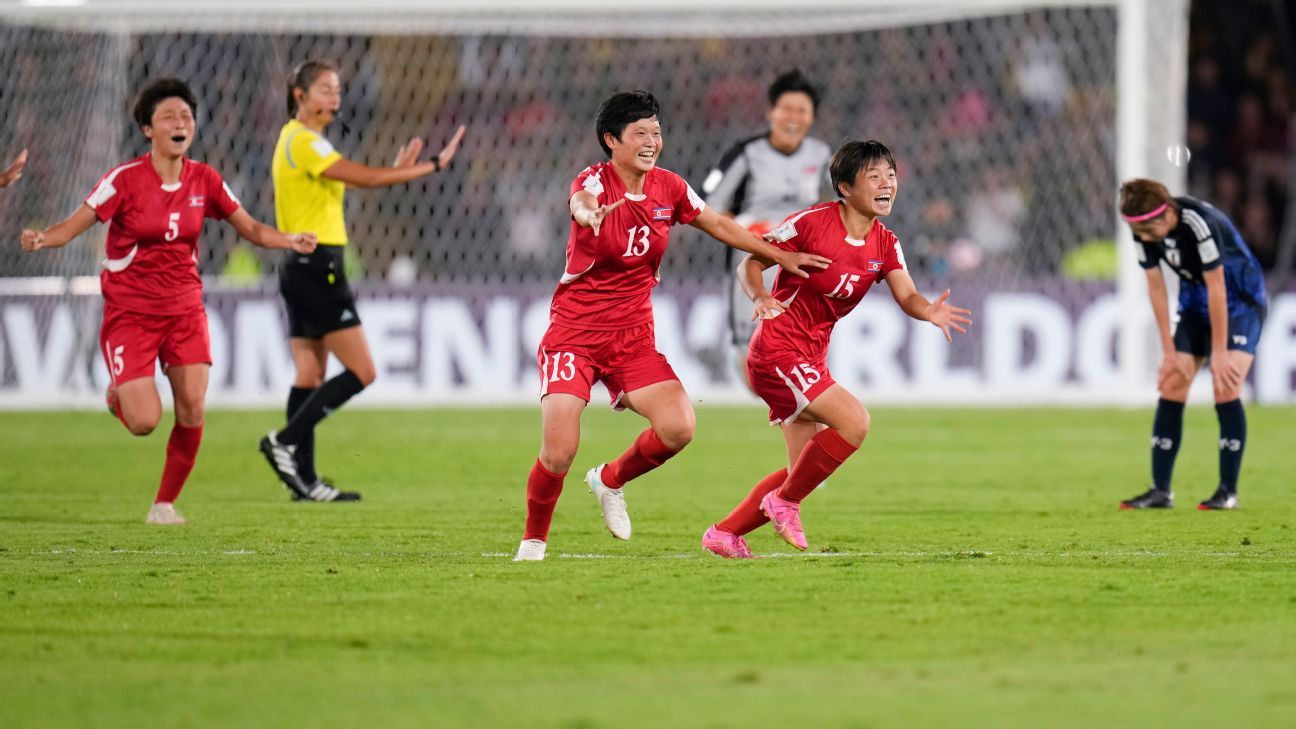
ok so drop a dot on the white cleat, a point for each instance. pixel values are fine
(163, 513)
(612, 501)
(531, 550)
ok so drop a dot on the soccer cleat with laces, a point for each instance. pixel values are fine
(282, 459)
(1223, 500)
(531, 550)
(611, 501)
(324, 490)
(1153, 498)
(164, 513)
(786, 517)
(725, 544)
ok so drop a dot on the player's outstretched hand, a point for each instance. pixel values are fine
(594, 218)
(1172, 365)
(409, 153)
(946, 316)
(767, 307)
(1226, 376)
(33, 240)
(303, 242)
(448, 153)
(796, 263)
(11, 175)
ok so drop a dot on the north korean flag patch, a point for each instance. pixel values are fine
(196, 201)
(661, 213)
(875, 266)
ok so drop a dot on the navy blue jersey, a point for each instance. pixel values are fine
(1204, 240)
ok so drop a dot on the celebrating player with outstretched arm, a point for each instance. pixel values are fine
(787, 361)
(155, 206)
(310, 179)
(1222, 305)
(601, 318)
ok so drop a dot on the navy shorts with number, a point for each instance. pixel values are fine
(316, 294)
(1193, 334)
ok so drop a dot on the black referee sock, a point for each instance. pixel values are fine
(1232, 422)
(305, 456)
(1167, 431)
(329, 397)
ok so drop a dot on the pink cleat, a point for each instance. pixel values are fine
(786, 517)
(725, 544)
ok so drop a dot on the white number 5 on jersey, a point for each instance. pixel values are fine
(173, 228)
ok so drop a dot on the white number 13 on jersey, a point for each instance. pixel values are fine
(636, 247)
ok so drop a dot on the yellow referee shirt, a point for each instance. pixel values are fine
(305, 201)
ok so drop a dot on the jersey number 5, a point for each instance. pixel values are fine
(173, 228)
(636, 247)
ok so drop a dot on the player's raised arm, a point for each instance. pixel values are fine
(14, 171)
(587, 212)
(942, 314)
(734, 235)
(753, 284)
(61, 233)
(260, 234)
(404, 169)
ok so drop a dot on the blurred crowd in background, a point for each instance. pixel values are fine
(1240, 106)
(1003, 127)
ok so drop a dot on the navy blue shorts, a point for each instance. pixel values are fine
(1192, 336)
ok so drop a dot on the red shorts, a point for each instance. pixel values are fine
(788, 384)
(132, 343)
(572, 360)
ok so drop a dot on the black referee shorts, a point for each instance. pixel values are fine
(316, 294)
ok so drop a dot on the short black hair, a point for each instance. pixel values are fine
(790, 82)
(854, 156)
(158, 91)
(303, 76)
(622, 109)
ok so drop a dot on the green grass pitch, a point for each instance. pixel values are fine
(967, 568)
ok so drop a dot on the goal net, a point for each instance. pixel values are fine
(1012, 123)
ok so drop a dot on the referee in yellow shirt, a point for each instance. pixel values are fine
(310, 180)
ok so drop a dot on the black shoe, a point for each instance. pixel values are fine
(1223, 500)
(280, 458)
(324, 490)
(1154, 498)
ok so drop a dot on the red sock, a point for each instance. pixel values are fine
(822, 455)
(647, 453)
(182, 449)
(543, 488)
(747, 516)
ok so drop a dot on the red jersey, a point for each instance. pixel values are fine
(608, 280)
(816, 303)
(151, 261)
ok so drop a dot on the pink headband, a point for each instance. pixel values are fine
(1146, 216)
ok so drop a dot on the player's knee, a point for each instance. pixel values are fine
(676, 436)
(141, 425)
(856, 430)
(557, 459)
(366, 374)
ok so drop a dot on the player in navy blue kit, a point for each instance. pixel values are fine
(1222, 305)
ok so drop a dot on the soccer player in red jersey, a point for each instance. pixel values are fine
(601, 318)
(155, 206)
(787, 360)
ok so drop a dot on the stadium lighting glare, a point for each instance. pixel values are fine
(53, 3)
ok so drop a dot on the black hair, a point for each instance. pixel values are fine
(854, 156)
(303, 76)
(790, 82)
(622, 109)
(158, 91)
